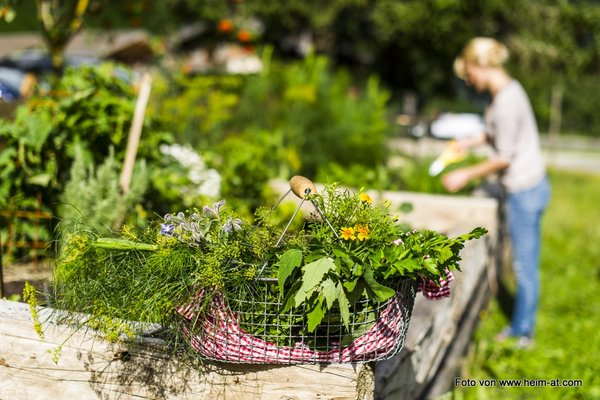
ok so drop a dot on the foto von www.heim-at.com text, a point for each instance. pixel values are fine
(523, 382)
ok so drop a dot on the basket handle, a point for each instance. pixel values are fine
(302, 186)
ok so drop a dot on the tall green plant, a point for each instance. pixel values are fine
(92, 196)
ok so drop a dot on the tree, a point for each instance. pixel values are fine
(60, 20)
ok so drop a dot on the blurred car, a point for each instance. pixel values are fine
(20, 70)
(456, 126)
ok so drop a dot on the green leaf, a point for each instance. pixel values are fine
(288, 261)
(290, 298)
(40, 180)
(330, 292)
(122, 244)
(377, 290)
(7, 155)
(344, 305)
(350, 285)
(431, 266)
(315, 316)
(314, 272)
(444, 253)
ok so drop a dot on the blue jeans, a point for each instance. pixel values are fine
(524, 213)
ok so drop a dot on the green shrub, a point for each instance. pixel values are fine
(92, 196)
(321, 112)
(314, 115)
(89, 111)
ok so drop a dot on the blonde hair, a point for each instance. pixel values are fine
(482, 51)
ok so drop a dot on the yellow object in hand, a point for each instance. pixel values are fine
(451, 154)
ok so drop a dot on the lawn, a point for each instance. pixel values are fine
(567, 346)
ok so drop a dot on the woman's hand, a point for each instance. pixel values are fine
(456, 180)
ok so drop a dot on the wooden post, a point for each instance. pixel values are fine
(555, 111)
(1, 268)
(135, 132)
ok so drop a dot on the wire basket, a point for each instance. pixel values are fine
(253, 330)
(252, 325)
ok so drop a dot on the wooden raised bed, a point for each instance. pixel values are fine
(90, 368)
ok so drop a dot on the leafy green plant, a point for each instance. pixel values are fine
(88, 113)
(313, 113)
(143, 276)
(183, 177)
(93, 197)
(359, 252)
(322, 113)
(197, 108)
(90, 109)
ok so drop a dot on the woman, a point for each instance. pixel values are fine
(512, 133)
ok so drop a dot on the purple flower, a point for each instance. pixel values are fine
(213, 212)
(232, 224)
(166, 229)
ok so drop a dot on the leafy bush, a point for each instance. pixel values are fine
(322, 114)
(196, 108)
(88, 112)
(290, 118)
(91, 109)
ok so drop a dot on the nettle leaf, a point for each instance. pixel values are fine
(288, 261)
(344, 305)
(313, 273)
(377, 290)
(330, 292)
(315, 316)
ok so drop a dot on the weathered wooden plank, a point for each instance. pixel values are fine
(88, 368)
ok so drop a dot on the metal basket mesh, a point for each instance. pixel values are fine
(250, 328)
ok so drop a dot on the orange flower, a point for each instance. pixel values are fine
(243, 36)
(365, 198)
(225, 26)
(348, 233)
(363, 232)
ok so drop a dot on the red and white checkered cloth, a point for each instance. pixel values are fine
(436, 290)
(220, 337)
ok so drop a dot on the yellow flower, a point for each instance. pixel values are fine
(365, 198)
(348, 233)
(363, 232)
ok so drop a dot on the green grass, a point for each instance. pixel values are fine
(567, 338)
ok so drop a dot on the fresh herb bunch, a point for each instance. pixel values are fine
(359, 251)
(145, 276)
(333, 276)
